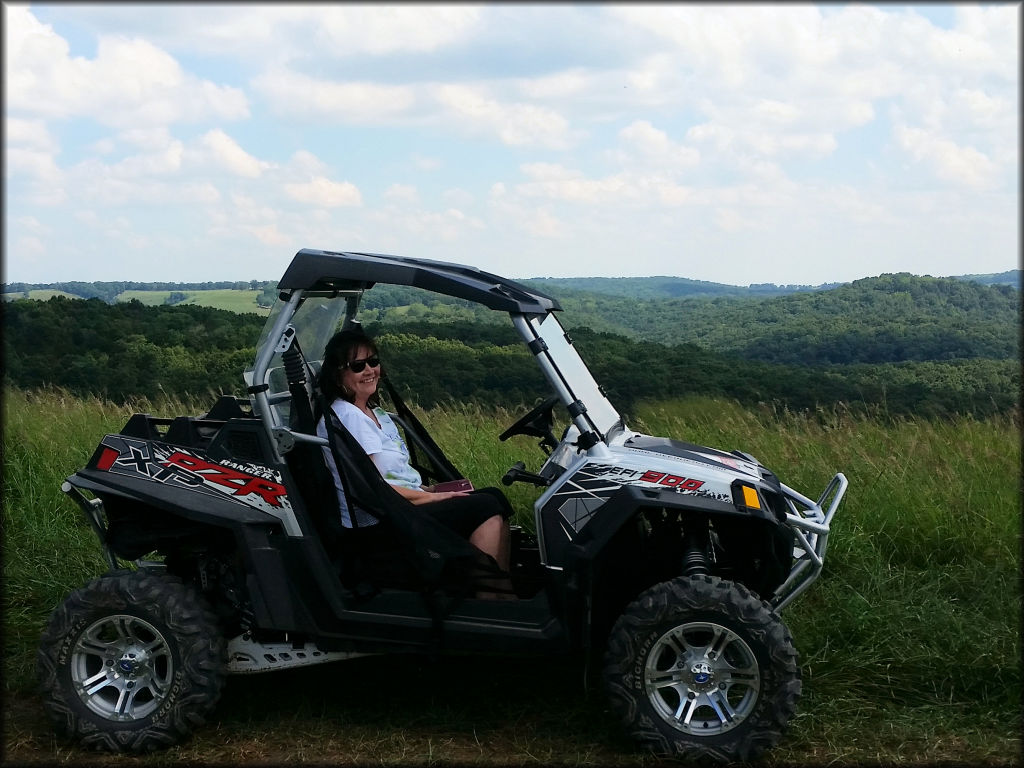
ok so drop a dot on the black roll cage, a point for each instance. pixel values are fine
(315, 270)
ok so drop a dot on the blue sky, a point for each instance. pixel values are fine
(738, 144)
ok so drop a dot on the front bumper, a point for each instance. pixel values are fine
(810, 522)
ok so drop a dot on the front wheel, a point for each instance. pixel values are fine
(131, 662)
(701, 668)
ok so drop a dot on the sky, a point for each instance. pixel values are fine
(739, 144)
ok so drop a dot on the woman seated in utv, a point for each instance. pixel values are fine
(349, 376)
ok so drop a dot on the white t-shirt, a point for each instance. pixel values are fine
(384, 444)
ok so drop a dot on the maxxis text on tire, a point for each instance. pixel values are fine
(131, 662)
(701, 668)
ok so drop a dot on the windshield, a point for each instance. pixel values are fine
(570, 376)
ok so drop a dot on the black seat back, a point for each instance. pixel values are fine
(438, 554)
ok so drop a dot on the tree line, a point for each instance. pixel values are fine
(886, 319)
(109, 291)
(127, 350)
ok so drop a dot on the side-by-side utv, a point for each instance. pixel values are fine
(669, 561)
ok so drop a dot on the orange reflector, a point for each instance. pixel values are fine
(750, 497)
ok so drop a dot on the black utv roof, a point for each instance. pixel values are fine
(345, 271)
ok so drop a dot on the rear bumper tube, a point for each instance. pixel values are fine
(93, 509)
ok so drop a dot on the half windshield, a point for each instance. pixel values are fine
(571, 373)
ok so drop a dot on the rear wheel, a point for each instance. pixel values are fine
(131, 662)
(701, 668)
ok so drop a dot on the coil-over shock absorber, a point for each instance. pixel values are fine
(295, 372)
(696, 543)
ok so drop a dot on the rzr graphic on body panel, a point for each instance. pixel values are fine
(253, 485)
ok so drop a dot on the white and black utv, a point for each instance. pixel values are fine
(671, 560)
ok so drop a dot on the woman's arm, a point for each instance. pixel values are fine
(419, 496)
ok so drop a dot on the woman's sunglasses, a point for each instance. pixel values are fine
(357, 366)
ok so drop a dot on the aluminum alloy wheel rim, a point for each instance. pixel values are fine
(121, 667)
(702, 678)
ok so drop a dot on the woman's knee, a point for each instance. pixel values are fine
(489, 529)
(496, 500)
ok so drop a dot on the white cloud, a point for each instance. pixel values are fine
(29, 247)
(305, 163)
(32, 134)
(165, 160)
(655, 145)
(468, 109)
(543, 224)
(284, 32)
(729, 220)
(785, 81)
(727, 139)
(749, 137)
(515, 217)
(31, 162)
(558, 183)
(402, 193)
(408, 229)
(226, 152)
(962, 165)
(380, 29)
(130, 82)
(323, 192)
(567, 84)
(298, 95)
(248, 214)
(514, 124)
(149, 138)
(103, 146)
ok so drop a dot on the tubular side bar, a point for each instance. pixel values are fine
(810, 523)
(93, 509)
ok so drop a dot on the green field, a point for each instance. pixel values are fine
(38, 294)
(223, 298)
(910, 648)
(218, 298)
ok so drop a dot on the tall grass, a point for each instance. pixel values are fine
(48, 547)
(914, 624)
(909, 641)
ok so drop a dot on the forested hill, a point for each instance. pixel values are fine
(875, 320)
(1010, 277)
(111, 291)
(661, 287)
(885, 319)
(658, 287)
(891, 318)
(128, 350)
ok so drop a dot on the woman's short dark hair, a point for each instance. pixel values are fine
(339, 350)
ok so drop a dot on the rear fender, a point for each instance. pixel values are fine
(189, 483)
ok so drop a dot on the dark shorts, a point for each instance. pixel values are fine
(464, 514)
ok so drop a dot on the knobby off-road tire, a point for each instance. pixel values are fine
(131, 662)
(701, 668)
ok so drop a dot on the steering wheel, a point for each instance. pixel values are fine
(536, 423)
